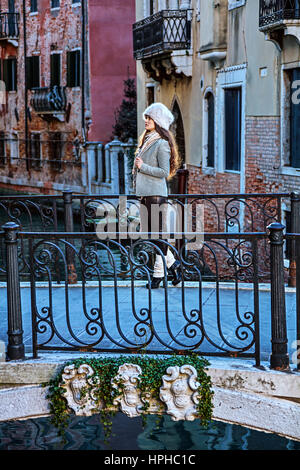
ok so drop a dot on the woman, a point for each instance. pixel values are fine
(156, 161)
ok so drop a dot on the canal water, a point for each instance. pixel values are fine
(158, 433)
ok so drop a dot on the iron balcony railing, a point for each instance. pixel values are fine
(49, 99)
(274, 12)
(165, 31)
(9, 25)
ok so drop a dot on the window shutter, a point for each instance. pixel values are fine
(295, 124)
(69, 73)
(33, 6)
(10, 74)
(77, 68)
(14, 74)
(33, 71)
(28, 72)
(211, 131)
(5, 73)
(36, 71)
(73, 68)
(233, 129)
(55, 69)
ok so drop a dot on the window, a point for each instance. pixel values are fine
(33, 6)
(10, 73)
(55, 3)
(33, 72)
(288, 228)
(233, 129)
(11, 6)
(2, 148)
(151, 7)
(73, 68)
(14, 148)
(55, 69)
(210, 130)
(295, 118)
(150, 94)
(55, 150)
(35, 150)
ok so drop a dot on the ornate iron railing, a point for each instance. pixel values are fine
(49, 99)
(9, 25)
(165, 31)
(230, 213)
(131, 318)
(123, 315)
(137, 319)
(273, 12)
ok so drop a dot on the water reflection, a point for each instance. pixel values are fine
(159, 433)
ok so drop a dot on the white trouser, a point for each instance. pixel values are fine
(159, 264)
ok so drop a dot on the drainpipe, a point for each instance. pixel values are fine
(25, 86)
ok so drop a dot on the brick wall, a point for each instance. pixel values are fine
(262, 175)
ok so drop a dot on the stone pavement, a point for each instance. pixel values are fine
(123, 324)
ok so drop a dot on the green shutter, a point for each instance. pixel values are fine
(36, 75)
(69, 69)
(28, 72)
(55, 69)
(5, 74)
(78, 68)
(233, 129)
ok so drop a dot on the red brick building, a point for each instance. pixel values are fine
(63, 63)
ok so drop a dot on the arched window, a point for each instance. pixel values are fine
(178, 131)
(179, 183)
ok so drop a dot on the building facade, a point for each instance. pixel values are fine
(230, 71)
(62, 73)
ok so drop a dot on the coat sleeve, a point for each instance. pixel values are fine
(163, 159)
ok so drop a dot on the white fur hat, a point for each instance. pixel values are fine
(160, 114)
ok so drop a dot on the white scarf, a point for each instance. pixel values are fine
(150, 138)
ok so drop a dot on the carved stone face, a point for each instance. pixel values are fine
(130, 395)
(180, 392)
(77, 385)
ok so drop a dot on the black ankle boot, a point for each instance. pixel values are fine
(175, 272)
(154, 284)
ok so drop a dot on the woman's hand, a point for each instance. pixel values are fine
(138, 162)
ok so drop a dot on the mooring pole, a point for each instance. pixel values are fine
(279, 358)
(15, 347)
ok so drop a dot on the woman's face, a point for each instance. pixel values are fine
(149, 124)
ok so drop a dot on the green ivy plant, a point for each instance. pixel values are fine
(106, 368)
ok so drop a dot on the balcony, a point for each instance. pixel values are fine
(159, 38)
(9, 26)
(280, 17)
(49, 102)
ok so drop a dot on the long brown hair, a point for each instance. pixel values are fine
(175, 160)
